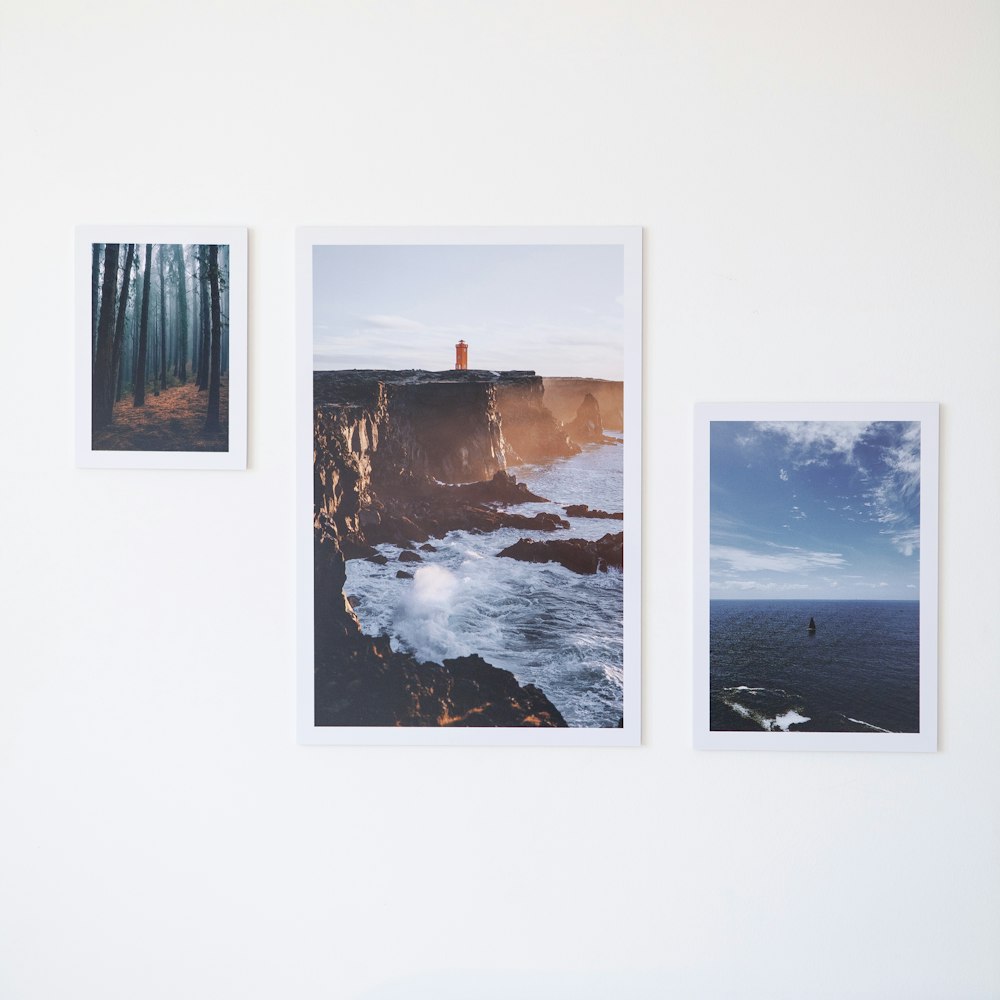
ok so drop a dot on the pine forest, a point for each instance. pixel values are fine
(160, 347)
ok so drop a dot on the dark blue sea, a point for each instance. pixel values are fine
(858, 672)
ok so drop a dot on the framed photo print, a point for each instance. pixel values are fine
(469, 464)
(816, 576)
(161, 321)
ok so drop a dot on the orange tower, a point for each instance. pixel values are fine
(461, 356)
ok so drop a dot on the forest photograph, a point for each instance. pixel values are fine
(159, 347)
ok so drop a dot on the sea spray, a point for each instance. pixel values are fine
(549, 626)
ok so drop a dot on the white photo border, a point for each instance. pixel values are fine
(927, 414)
(630, 238)
(235, 237)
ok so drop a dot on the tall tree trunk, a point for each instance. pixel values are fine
(95, 301)
(154, 354)
(212, 423)
(194, 318)
(139, 392)
(133, 344)
(101, 402)
(163, 322)
(120, 382)
(182, 315)
(116, 347)
(203, 344)
(224, 265)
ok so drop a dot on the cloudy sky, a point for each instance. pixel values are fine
(825, 510)
(556, 310)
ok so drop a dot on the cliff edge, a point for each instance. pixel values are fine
(393, 456)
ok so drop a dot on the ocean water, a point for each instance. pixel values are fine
(549, 626)
(859, 671)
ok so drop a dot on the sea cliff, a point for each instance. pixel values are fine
(564, 396)
(402, 456)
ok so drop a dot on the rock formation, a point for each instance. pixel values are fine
(563, 397)
(532, 432)
(576, 554)
(386, 459)
(586, 427)
(582, 510)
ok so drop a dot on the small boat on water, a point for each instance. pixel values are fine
(812, 626)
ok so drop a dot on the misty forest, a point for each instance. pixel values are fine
(160, 347)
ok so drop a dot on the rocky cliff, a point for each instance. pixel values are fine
(444, 425)
(532, 432)
(383, 443)
(587, 427)
(563, 397)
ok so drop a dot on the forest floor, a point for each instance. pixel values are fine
(172, 421)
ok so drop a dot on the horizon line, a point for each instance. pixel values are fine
(445, 371)
(807, 600)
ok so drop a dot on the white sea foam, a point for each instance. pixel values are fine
(547, 625)
(780, 723)
(790, 718)
(861, 722)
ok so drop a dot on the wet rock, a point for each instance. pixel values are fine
(576, 554)
(401, 574)
(503, 488)
(582, 510)
(407, 556)
(354, 549)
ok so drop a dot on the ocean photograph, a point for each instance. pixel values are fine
(468, 486)
(814, 576)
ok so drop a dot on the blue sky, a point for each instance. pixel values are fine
(814, 509)
(554, 309)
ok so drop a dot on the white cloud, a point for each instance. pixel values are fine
(891, 501)
(399, 323)
(817, 437)
(783, 475)
(906, 542)
(904, 460)
(787, 559)
(766, 585)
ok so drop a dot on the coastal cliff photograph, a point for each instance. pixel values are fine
(818, 564)
(472, 482)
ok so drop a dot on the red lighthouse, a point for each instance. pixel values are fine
(461, 356)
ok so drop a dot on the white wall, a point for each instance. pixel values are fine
(819, 187)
